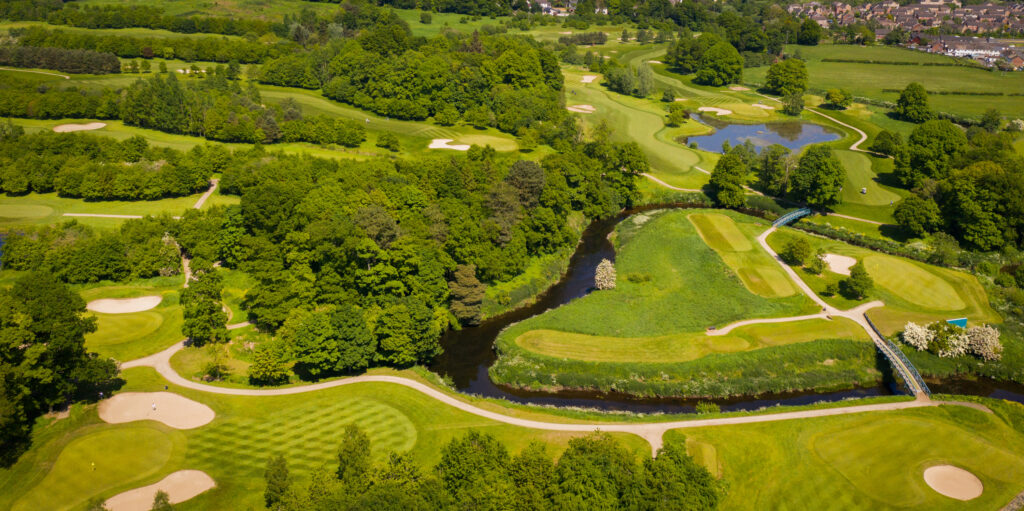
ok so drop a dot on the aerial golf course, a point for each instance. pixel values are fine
(705, 309)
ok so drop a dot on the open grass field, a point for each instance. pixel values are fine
(866, 461)
(48, 208)
(739, 249)
(234, 448)
(6, 26)
(687, 346)
(134, 335)
(911, 290)
(861, 175)
(863, 79)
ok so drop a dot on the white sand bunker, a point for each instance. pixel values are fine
(588, 78)
(953, 482)
(443, 143)
(715, 110)
(655, 62)
(68, 128)
(179, 486)
(762, 107)
(738, 88)
(581, 109)
(839, 264)
(124, 305)
(176, 411)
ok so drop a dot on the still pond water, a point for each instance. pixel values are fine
(791, 134)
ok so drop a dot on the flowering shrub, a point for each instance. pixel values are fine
(983, 341)
(917, 336)
(604, 276)
(947, 340)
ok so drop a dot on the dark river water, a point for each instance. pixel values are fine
(469, 352)
(792, 134)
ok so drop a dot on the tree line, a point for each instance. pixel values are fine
(60, 59)
(366, 263)
(500, 81)
(476, 471)
(97, 168)
(208, 48)
(43, 361)
(216, 107)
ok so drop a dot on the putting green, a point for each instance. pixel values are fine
(114, 329)
(913, 283)
(759, 273)
(720, 232)
(686, 346)
(865, 468)
(14, 211)
(122, 456)
(859, 175)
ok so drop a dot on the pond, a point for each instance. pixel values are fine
(791, 134)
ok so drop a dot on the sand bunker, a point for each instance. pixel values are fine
(763, 107)
(176, 411)
(581, 109)
(124, 305)
(443, 143)
(738, 88)
(953, 482)
(588, 78)
(179, 486)
(655, 62)
(68, 128)
(839, 264)
(715, 110)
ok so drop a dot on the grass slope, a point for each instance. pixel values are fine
(739, 249)
(134, 335)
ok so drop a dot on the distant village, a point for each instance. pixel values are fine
(935, 26)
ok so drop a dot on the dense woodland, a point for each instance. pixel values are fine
(68, 61)
(356, 263)
(506, 82)
(477, 472)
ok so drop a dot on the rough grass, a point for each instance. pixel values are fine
(866, 461)
(684, 347)
(739, 249)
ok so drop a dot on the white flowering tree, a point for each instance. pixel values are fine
(983, 341)
(917, 336)
(604, 277)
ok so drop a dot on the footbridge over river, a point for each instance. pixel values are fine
(912, 380)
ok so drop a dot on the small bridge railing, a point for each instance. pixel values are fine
(894, 350)
(791, 217)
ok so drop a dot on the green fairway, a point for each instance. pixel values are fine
(684, 347)
(107, 460)
(862, 79)
(859, 175)
(134, 335)
(912, 283)
(758, 270)
(48, 208)
(866, 461)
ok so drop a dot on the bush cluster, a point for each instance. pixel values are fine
(60, 59)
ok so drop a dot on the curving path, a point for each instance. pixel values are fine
(731, 326)
(202, 200)
(670, 187)
(66, 77)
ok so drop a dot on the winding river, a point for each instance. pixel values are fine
(468, 353)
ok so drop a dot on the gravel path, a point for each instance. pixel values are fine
(202, 200)
(101, 215)
(666, 185)
(66, 77)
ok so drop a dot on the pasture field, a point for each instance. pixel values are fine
(862, 79)
(234, 448)
(865, 461)
(134, 335)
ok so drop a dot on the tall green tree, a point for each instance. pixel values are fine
(277, 481)
(818, 177)
(810, 33)
(467, 294)
(721, 64)
(787, 77)
(912, 105)
(773, 168)
(727, 180)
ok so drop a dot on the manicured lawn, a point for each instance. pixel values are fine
(134, 335)
(684, 347)
(107, 460)
(867, 79)
(910, 289)
(859, 175)
(234, 448)
(740, 250)
(48, 208)
(865, 461)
